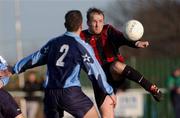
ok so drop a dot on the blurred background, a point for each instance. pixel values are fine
(26, 25)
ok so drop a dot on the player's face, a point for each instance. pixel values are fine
(32, 78)
(96, 23)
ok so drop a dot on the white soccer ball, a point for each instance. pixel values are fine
(133, 30)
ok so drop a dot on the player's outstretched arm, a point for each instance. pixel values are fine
(94, 69)
(97, 75)
(36, 59)
(28, 62)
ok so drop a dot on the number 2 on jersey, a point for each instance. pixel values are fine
(63, 49)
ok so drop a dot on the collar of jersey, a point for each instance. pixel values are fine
(72, 34)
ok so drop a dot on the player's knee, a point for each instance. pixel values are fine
(107, 108)
(117, 67)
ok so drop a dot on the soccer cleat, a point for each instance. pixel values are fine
(156, 93)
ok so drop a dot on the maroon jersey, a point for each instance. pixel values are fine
(106, 44)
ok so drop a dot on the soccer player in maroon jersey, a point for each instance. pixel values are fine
(106, 40)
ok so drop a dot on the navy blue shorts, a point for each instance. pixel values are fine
(71, 99)
(8, 106)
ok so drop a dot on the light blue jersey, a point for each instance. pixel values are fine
(65, 56)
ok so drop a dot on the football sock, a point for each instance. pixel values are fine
(135, 76)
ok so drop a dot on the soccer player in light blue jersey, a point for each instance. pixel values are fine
(8, 106)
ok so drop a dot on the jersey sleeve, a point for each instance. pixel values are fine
(3, 67)
(93, 68)
(4, 80)
(36, 59)
(118, 38)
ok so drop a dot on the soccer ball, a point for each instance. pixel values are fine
(133, 30)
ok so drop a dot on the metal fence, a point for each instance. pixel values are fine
(155, 69)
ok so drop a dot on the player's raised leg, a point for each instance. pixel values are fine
(118, 68)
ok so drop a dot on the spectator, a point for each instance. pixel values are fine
(173, 84)
(31, 85)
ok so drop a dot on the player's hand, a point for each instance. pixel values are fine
(142, 44)
(6, 73)
(4, 68)
(114, 99)
(2, 73)
(1, 84)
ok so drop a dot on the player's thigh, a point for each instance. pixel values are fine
(114, 79)
(107, 108)
(76, 102)
(92, 113)
(117, 67)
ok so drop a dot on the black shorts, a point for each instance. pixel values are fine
(121, 84)
(8, 106)
(71, 99)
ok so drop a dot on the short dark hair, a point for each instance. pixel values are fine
(73, 20)
(92, 11)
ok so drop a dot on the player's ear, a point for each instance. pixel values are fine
(81, 26)
(65, 24)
